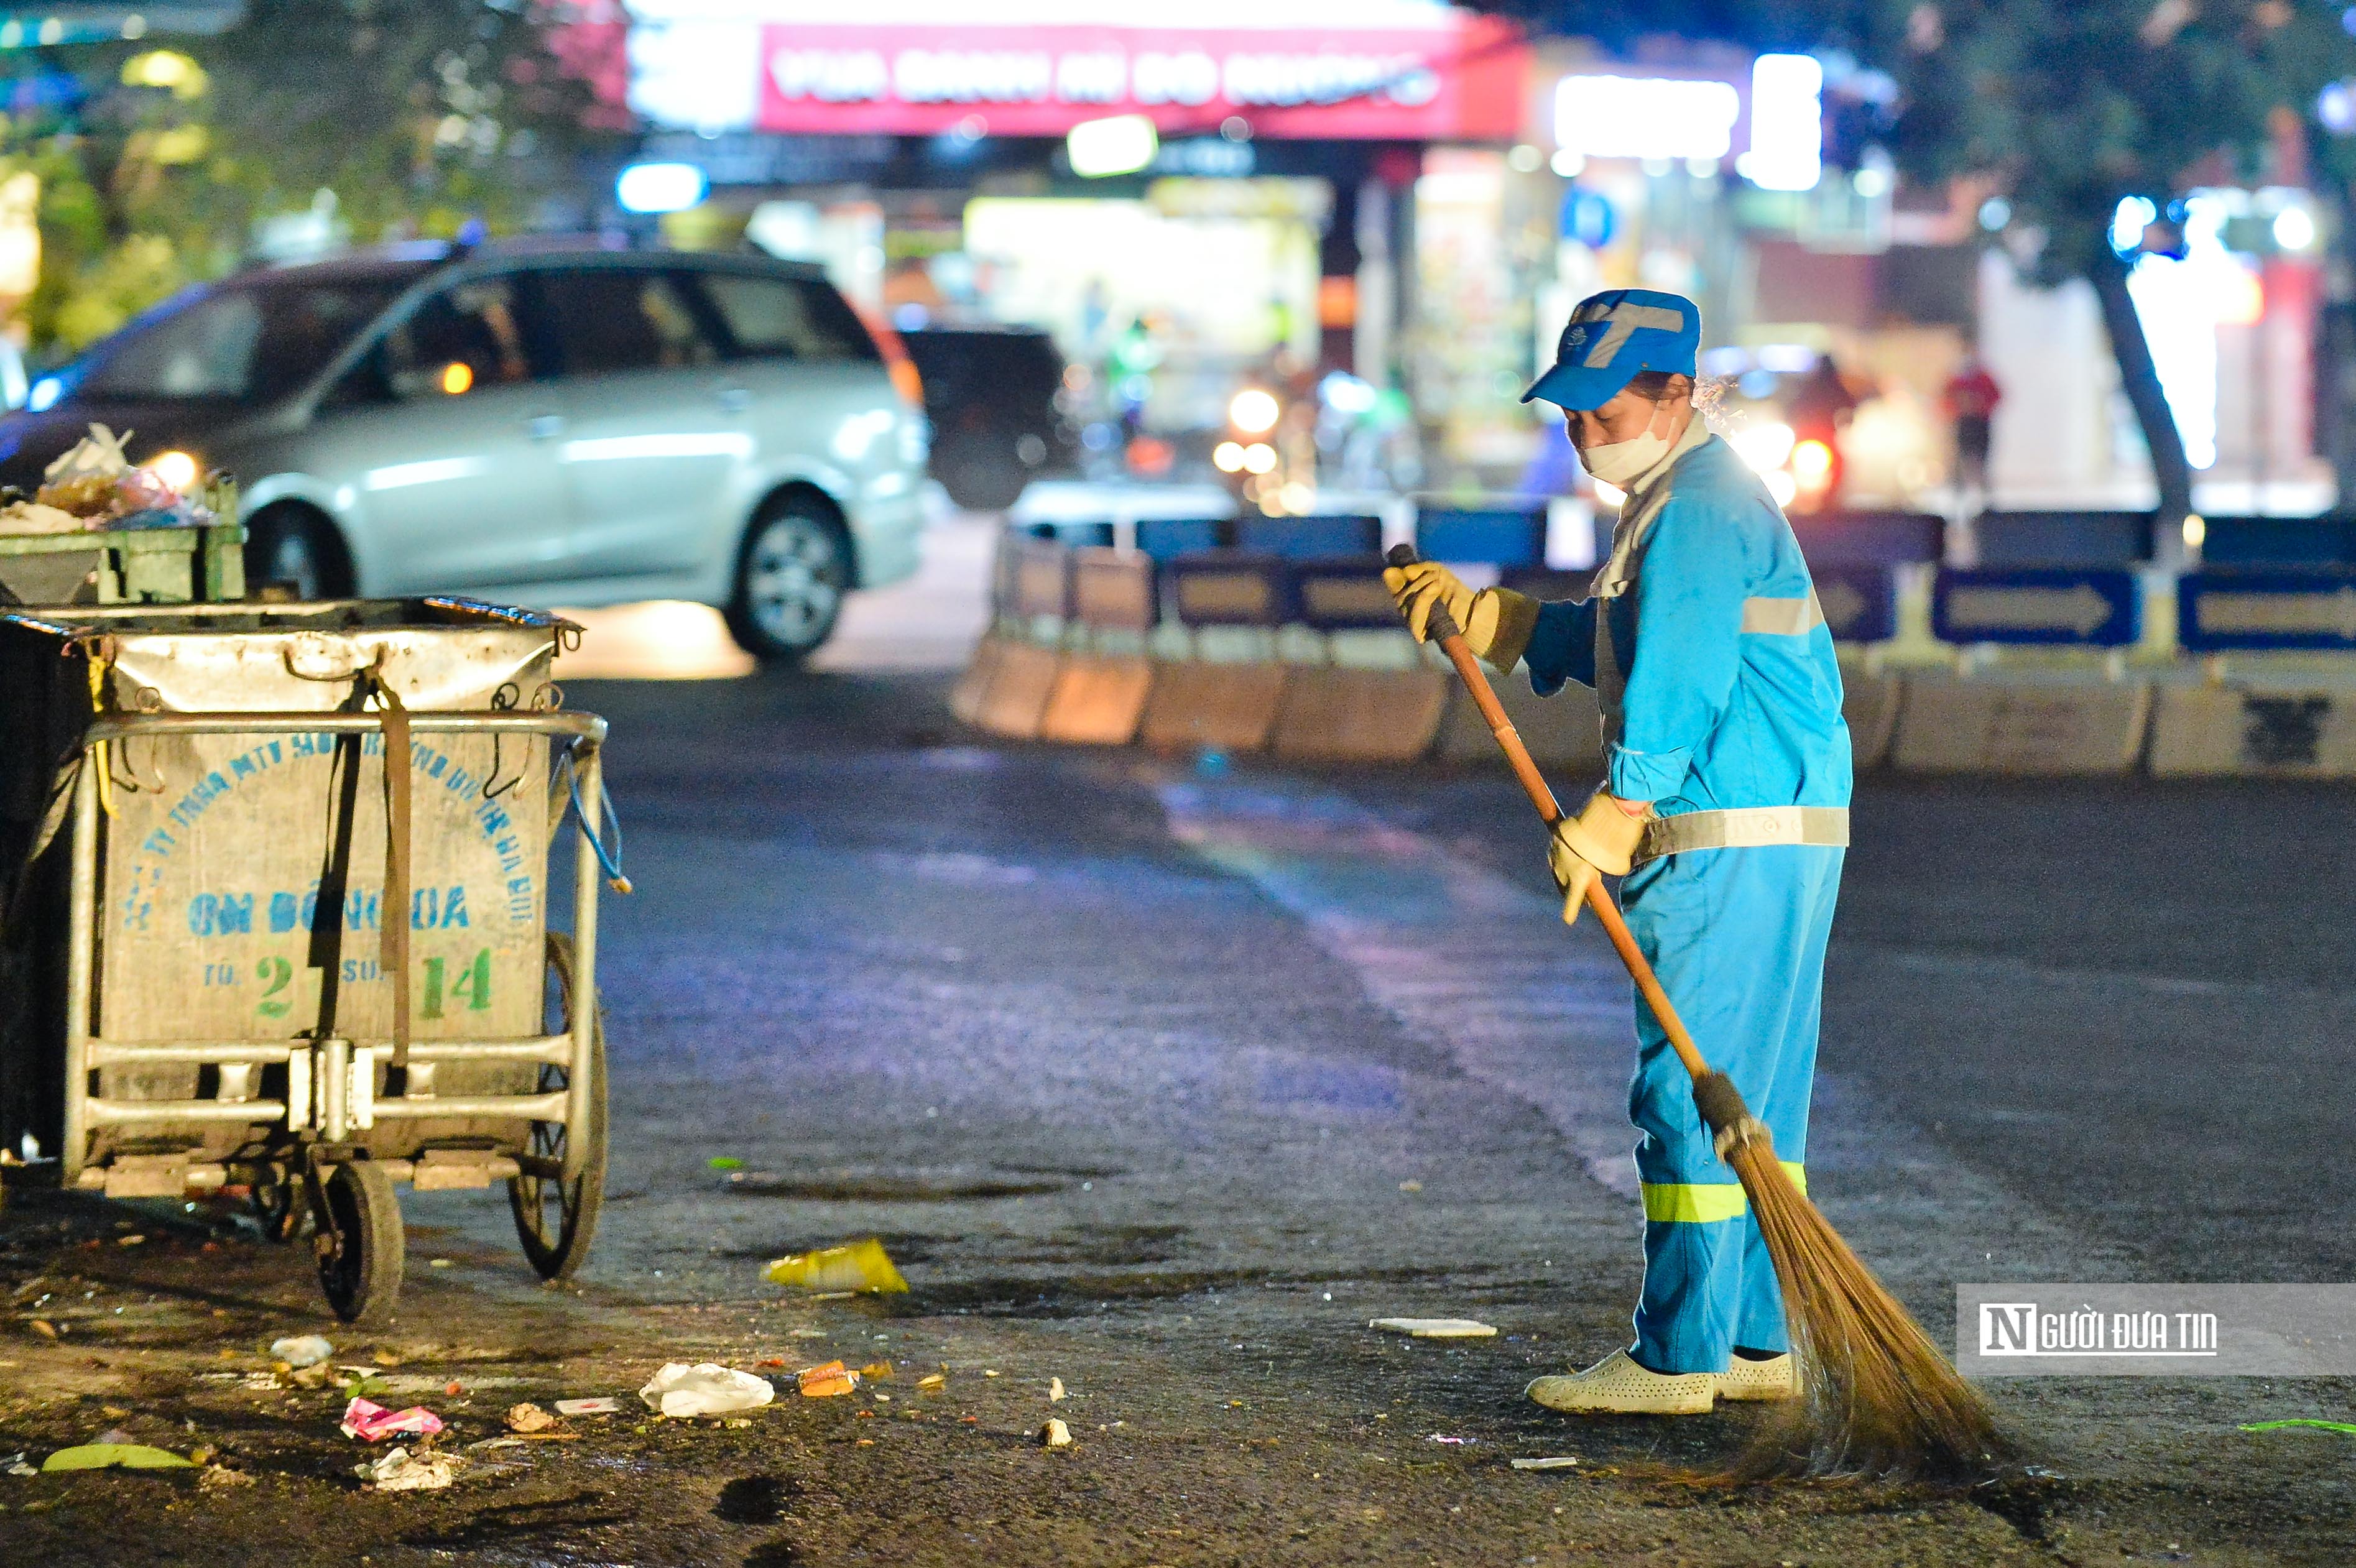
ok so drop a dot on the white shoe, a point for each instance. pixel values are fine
(1616, 1385)
(1775, 1378)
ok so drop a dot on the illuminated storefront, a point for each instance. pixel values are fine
(938, 155)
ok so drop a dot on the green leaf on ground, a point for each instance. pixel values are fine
(113, 1455)
(2327, 1425)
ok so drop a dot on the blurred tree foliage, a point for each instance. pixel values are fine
(2064, 108)
(417, 117)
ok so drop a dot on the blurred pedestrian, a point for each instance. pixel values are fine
(1970, 402)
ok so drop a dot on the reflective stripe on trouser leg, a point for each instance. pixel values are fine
(1738, 938)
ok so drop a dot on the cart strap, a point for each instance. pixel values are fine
(97, 667)
(393, 953)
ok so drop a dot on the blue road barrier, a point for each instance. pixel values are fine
(2064, 538)
(1860, 601)
(1342, 596)
(1165, 538)
(1039, 577)
(1077, 535)
(1229, 588)
(1871, 539)
(1503, 536)
(1309, 539)
(2279, 541)
(2220, 611)
(2091, 608)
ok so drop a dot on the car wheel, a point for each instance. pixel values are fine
(790, 579)
(299, 548)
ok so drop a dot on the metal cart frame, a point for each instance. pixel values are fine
(331, 1081)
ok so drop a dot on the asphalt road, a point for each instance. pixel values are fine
(1161, 1082)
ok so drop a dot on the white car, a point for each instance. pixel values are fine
(543, 425)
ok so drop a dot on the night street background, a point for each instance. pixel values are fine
(1162, 1079)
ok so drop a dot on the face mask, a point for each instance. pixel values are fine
(1620, 463)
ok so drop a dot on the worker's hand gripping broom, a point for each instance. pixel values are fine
(1876, 1396)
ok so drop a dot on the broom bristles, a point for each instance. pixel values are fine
(1876, 1397)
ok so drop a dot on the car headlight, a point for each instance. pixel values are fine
(176, 468)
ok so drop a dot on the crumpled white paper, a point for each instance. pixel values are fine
(401, 1471)
(705, 1389)
(99, 452)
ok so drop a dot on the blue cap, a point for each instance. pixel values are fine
(1611, 336)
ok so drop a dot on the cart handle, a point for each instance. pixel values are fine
(582, 727)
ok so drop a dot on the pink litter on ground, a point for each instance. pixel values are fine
(369, 1421)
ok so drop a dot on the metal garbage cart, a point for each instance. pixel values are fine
(210, 981)
(114, 565)
(193, 551)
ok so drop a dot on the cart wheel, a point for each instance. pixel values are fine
(361, 1242)
(555, 1218)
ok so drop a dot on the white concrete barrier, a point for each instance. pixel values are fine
(2221, 729)
(966, 697)
(1199, 705)
(1564, 732)
(1014, 700)
(1099, 700)
(1332, 714)
(1948, 726)
(1869, 702)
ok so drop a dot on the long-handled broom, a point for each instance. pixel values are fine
(1876, 1396)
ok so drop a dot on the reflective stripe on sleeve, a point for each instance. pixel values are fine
(1706, 1202)
(1784, 617)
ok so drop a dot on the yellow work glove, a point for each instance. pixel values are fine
(1496, 622)
(1601, 838)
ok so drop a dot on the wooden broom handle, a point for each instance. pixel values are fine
(1442, 629)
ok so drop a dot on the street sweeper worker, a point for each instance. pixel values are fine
(1724, 806)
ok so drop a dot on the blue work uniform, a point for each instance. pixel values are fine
(1722, 701)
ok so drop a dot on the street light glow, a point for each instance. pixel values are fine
(2134, 214)
(1764, 446)
(1787, 124)
(1644, 117)
(660, 187)
(1117, 144)
(1253, 412)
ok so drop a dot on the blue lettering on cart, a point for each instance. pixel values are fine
(289, 911)
(221, 914)
(435, 909)
(430, 909)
